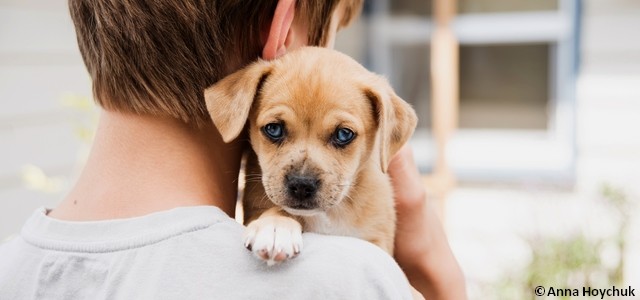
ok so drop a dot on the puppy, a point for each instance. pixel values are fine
(322, 130)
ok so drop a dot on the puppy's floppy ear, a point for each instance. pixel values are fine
(395, 118)
(230, 99)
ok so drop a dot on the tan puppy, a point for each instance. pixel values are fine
(322, 129)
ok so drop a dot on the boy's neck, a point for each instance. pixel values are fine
(144, 164)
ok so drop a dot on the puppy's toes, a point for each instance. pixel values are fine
(287, 242)
(274, 238)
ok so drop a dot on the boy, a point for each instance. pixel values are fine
(149, 215)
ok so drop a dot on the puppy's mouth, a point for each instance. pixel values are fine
(302, 205)
(302, 212)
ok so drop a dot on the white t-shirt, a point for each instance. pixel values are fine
(184, 253)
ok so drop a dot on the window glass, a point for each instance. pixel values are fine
(424, 7)
(489, 6)
(410, 7)
(504, 86)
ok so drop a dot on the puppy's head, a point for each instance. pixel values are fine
(316, 118)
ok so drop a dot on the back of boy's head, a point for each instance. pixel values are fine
(157, 57)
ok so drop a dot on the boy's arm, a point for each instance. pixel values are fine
(421, 247)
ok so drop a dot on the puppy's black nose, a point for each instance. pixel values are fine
(301, 187)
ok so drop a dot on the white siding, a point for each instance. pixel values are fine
(39, 64)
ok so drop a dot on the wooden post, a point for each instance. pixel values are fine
(444, 97)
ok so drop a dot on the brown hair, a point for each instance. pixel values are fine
(157, 57)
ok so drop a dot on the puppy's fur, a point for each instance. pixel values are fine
(307, 180)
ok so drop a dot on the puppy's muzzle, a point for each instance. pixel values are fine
(302, 190)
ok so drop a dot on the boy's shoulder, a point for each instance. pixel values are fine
(328, 267)
(187, 255)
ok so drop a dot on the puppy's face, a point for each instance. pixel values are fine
(316, 118)
(311, 132)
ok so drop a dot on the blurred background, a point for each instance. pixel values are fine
(529, 132)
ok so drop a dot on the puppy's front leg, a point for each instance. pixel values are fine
(274, 236)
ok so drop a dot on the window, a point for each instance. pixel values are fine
(516, 82)
(504, 87)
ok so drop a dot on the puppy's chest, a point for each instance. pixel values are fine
(332, 225)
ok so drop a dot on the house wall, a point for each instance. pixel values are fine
(39, 67)
(488, 224)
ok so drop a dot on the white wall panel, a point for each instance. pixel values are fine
(36, 89)
(37, 31)
(48, 146)
(39, 64)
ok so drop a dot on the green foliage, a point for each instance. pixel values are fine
(623, 207)
(36, 179)
(572, 262)
(564, 263)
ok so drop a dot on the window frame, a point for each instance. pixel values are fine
(498, 155)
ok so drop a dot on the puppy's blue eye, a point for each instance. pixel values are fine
(343, 136)
(274, 131)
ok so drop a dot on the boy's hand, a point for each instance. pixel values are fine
(421, 247)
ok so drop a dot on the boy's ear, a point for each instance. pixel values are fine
(230, 99)
(279, 29)
(396, 119)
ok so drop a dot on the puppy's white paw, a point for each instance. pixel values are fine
(274, 238)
